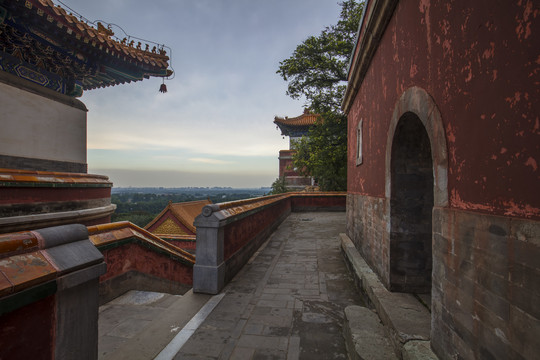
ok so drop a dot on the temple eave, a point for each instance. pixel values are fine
(67, 55)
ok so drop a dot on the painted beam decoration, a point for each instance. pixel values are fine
(42, 43)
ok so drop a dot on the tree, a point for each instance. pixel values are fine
(278, 186)
(324, 153)
(318, 67)
(317, 70)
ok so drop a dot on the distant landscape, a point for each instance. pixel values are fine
(141, 205)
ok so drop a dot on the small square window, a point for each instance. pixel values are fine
(359, 143)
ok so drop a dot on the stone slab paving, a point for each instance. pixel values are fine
(287, 302)
(122, 318)
(139, 324)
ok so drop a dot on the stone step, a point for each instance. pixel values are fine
(418, 350)
(365, 336)
(404, 317)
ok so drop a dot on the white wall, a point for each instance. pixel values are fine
(37, 127)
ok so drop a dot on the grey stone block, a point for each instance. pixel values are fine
(208, 279)
(77, 322)
(364, 334)
(59, 235)
(418, 350)
(74, 255)
(406, 318)
(81, 276)
(209, 246)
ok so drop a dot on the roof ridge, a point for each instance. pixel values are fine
(183, 221)
(155, 219)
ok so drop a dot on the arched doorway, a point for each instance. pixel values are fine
(416, 181)
(411, 205)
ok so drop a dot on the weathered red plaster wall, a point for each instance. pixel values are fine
(286, 167)
(239, 233)
(182, 244)
(132, 256)
(29, 332)
(314, 203)
(479, 61)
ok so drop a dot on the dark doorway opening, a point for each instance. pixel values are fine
(411, 206)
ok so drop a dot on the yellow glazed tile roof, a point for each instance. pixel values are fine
(185, 212)
(306, 119)
(97, 37)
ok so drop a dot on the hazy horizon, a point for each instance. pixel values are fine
(171, 178)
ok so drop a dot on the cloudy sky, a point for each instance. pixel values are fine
(214, 126)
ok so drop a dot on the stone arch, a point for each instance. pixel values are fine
(419, 102)
(416, 181)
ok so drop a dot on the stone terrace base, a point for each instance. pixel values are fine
(485, 277)
(486, 285)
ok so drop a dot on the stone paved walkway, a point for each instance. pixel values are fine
(123, 318)
(288, 302)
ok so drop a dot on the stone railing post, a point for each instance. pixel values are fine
(49, 298)
(209, 268)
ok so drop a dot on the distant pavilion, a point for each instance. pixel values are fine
(294, 128)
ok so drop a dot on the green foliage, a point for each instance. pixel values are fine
(323, 154)
(318, 70)
(278, 186)
(138, 218)
(318, 67)
(141, 208)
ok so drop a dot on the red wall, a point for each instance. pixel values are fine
(314, 203)
(241, 232)
(132, 256)
(182, 244)
(479, 61)
(29, 332)
(286, 167)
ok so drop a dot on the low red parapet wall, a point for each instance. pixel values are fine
(265, 211)
(135, 256)
(239, 233)
(319, 201)
(184, 242)
(228, 234)
(137, 259)
(132, 266)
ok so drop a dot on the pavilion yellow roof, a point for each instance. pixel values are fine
(185, 212)
(306, 119)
